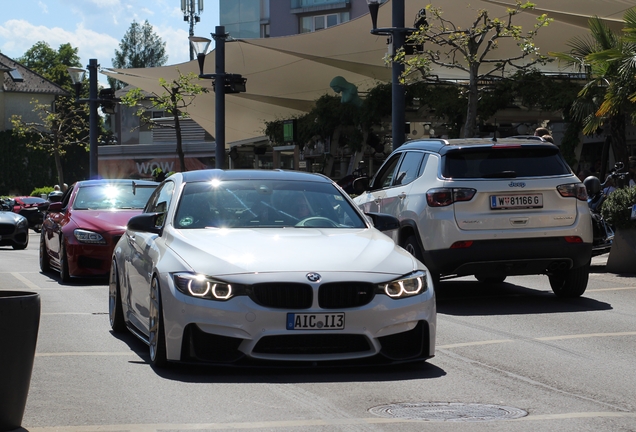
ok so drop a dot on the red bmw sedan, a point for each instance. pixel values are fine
(80, 232)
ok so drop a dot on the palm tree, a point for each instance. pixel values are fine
(609, 93)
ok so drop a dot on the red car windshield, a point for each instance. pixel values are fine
(111, 197)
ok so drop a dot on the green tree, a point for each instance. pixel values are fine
(606, 59)
(471, 50)
(58, 128)
(179, 94)
(51, 64)
(64, 124)
(140, 47)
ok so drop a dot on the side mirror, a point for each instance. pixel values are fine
(384, 222)
(360, 185)
(145, 222)
(55, 207)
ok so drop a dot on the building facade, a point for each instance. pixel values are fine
(246, 19)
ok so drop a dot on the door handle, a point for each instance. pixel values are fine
(377, 201)
(402, 195)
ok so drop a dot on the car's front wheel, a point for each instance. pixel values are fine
(20, 246)
(45, 264)
(115, 310)
(65, 275)
(570, 283)
(157, 337)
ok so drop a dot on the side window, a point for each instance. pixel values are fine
(409, 167)
(160, 200)
(384, 177)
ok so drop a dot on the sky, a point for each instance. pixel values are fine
(96, 27)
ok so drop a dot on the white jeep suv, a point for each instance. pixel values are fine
(488, 208)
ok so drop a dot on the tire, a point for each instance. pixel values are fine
(64, 273)
(412, 246)
(156, 337)
(21, 246)
(570, 283)
(115, 309)
(45, 263)
(490, 279)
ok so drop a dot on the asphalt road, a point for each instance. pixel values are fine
(510, 357)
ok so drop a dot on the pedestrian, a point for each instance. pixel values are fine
(540, 131)
(56, 187)
(548, 138)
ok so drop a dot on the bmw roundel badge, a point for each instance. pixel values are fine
(313, 277)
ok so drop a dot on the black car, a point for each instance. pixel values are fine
(14, 228)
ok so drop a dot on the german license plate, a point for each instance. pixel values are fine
(330, 321)
(499, 202)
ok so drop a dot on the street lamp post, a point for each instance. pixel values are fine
(77, 76)
(223, 83)
(398, 35)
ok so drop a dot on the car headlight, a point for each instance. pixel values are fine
(196, 285)
(410, 285)
(85, 236)
(22, 222)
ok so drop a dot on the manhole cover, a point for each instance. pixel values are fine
(445, 411)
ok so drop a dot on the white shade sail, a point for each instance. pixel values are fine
(285, 75)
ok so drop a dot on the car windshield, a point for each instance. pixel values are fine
(33, 200)
(508, 162)
(112, 196)
(260, 204)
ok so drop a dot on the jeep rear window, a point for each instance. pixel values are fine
(509, 162)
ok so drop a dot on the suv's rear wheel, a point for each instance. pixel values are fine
(570, 283)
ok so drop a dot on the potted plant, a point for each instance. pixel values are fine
(619, 209)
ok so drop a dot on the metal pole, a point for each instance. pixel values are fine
(92, 112)
(397, 90)
(219, 90)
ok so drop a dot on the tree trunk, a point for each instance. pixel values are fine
(177, 129)
(619, 141)
(473, 101)
(58, 167)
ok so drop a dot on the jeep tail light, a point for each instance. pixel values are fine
(573, 239)
(462, 244)
(576, 190)
(442, 197)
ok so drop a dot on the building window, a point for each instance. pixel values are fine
(318, 22)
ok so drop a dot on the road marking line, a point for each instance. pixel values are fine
(25, 281)
(465, 344)
(86, 354)
(611, 289)
(546, 338)
(301, 423)
(581, 336)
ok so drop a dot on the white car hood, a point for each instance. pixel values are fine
(233, 251)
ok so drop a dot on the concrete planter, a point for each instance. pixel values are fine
(19, 324)
(622, 256)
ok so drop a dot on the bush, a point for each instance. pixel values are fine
(617, 208)
(41, 190)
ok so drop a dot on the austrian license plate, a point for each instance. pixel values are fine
(330, 321)
(499, 202)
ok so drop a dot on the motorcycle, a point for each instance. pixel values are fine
(603, 234)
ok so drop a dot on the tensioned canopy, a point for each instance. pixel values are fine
(285, 75)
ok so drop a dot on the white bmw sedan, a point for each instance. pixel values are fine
(249, 266)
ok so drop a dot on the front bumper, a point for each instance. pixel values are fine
(240, 331)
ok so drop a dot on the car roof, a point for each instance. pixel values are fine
(443, 146)
(251, 174)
